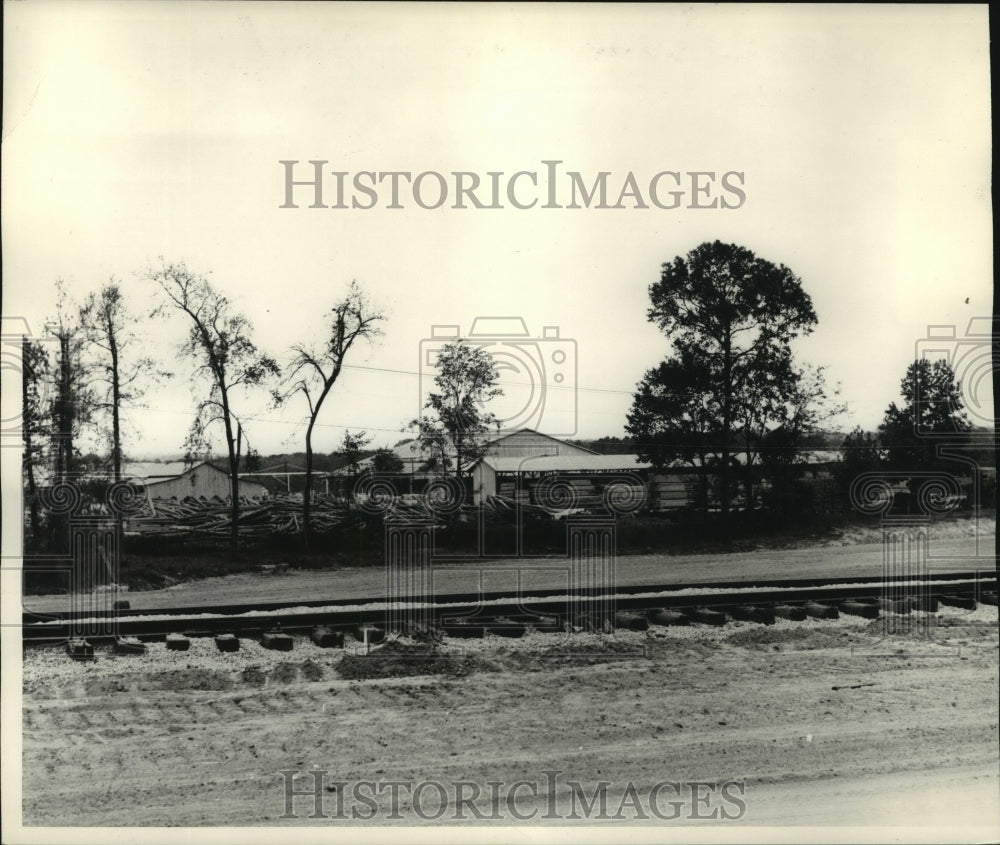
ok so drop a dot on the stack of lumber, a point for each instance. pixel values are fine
(198, 516)
(204, 517)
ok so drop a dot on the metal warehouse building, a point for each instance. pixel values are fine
(200, 481)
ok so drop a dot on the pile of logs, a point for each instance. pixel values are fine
(192, 517)
(197, 516)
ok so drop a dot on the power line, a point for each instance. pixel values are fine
(517, 383)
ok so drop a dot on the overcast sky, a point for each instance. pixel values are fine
(133, 131)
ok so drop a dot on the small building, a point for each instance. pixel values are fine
(203, 480)
(522, 442)
(583, 476)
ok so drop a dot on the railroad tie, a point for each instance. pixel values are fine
(463, 630)
(546, 624)
(79, 649)
(790, 611)
(276, 641)
(963, 602)
(227, 642)
(925, 603)
(751, 613)
(503, 627)
(821, 611)
(865, 610)
(369, 633)
(899, 606)
(706, 616)
(631, 621)
(325, 638)
(129, 646)
(669, 617)
(178, 642)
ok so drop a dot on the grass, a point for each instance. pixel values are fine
(145, 567)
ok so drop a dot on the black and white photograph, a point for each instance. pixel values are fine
(498, 422)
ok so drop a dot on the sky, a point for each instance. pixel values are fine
(145, 131)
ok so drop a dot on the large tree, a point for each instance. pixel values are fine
(932, 409)
(314, 371)
(70, 406)
(730, 317)
(121, 373)
(34, 422)
(219, 342)
(71, 397)
(455, 432)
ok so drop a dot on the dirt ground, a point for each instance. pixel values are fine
(807, 723)
(954, 546)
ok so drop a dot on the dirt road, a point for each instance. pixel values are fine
(947, 552)
(818, 722)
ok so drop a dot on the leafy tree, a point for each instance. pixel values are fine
(457, 428)
(859, 453)
(386, 461)
(762, 415)
(219, 341)
(118, 366)
(35, 366)
(352, 450)
(119, 369)
(70, 407)
(729, 317)
(809, 405)
(675, 414)
(72, 400)
(932, 408)
(608, 445)
(314, 372)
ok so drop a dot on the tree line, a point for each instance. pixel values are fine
(729, 398)
(97, 371)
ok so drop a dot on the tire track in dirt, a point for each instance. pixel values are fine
(704, 705)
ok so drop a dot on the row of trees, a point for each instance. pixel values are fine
(730, 383)
(729, 398)
(98, 371)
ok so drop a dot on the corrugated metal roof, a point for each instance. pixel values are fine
(153, 469)
(153, 482)
(567, 463)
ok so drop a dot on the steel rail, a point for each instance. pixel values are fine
(30, 617)
(482, 611)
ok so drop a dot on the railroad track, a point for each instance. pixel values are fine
(470, 614)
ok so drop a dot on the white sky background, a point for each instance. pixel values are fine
(137, 130)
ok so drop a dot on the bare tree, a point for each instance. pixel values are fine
(313, 372)
(118, 371)
(219, 340)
